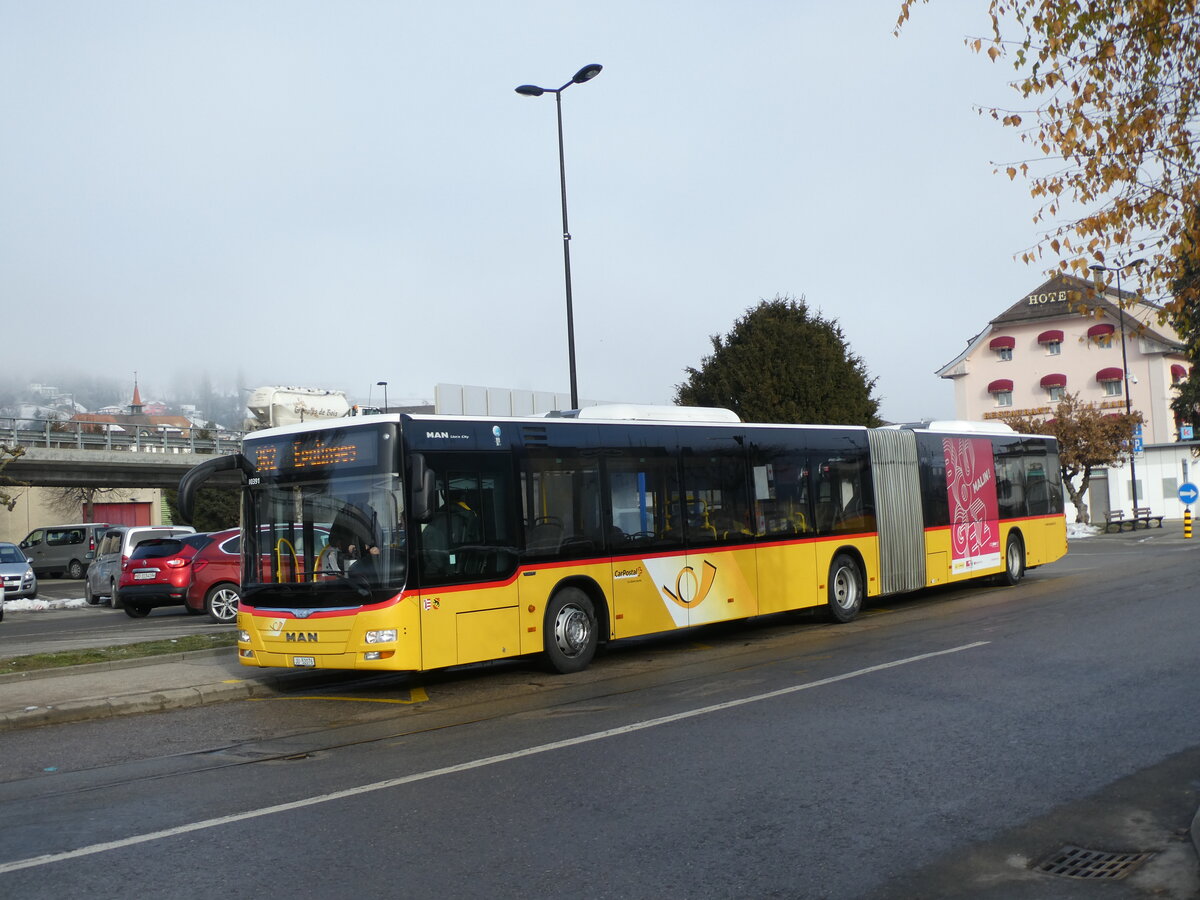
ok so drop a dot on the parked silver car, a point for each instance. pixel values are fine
(104, 574)
(17, 574)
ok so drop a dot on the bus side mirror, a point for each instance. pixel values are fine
(190, 483)
(422, 488)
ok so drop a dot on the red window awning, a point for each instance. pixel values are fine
(1053, 381)
(1112, 373)
(1050, 337)
(999, 385)
(1101, 330)
(1178, 371)
(1003, 343)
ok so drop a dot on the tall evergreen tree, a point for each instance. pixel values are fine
(782, 362)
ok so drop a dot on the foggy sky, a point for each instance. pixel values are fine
(332, 195)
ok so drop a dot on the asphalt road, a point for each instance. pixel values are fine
(939, 746)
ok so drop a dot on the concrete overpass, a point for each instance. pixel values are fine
(60, 467)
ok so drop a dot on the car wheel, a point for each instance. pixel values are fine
(114, 599)
(88, 597)
(845, 588)
(221, 601)
(569, 631)
(75, 570)
(136, 610)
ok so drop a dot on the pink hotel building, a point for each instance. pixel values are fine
(1045, 344)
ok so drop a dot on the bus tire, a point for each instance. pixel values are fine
(845, 588)
(569, 631)
(1014, 561)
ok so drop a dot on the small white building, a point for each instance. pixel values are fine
(1066, 337)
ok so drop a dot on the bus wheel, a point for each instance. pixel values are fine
(845, 588)
(569, 631)
(1014, 561)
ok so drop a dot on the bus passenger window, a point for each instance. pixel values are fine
(782, 495)
(844, 502)
(470, 534)
(560, 497)
(644, 492)
(716, 506)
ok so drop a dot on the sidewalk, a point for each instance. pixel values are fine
(172, 681)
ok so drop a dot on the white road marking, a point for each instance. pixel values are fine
(48, 858)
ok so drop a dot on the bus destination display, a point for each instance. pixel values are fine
(319, 452)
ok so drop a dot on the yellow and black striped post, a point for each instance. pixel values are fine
(1187, 522)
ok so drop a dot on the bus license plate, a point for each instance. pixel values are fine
(308, 661)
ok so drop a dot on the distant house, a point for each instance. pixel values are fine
(137, 417)
(1064, 337)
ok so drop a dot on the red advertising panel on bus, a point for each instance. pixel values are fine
(974, 513)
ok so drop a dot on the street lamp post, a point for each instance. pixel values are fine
(1097, 268)
(383, 384)
(587, 73)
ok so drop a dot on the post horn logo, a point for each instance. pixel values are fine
(687, 592)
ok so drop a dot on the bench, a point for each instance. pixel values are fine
(1116, 517)
(1142, 515)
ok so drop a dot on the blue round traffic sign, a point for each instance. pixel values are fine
(1188, 493)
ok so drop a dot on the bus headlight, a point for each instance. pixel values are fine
(383, 636)
(244, 636)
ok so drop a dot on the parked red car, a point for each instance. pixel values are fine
(198, 571)
(217, 577)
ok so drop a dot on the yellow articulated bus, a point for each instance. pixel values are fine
(407, 542)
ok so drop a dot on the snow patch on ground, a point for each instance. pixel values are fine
(26, 605)
(1078, 530)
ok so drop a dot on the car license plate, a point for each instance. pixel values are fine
(143, 576)
(307, 661)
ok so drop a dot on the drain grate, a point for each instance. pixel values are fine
(1076, 862)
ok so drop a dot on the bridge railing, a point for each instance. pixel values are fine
(110, 436)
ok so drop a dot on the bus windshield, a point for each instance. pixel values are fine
(326, 538)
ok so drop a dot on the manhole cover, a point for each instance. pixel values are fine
(1076, 862)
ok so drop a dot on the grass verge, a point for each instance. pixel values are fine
(63, 658)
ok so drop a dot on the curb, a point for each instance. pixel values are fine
(1195, 832)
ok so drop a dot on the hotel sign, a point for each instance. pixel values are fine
(1049, 297)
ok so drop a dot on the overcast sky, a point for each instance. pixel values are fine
(335, 194)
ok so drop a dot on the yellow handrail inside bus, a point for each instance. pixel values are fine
(278, 558)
